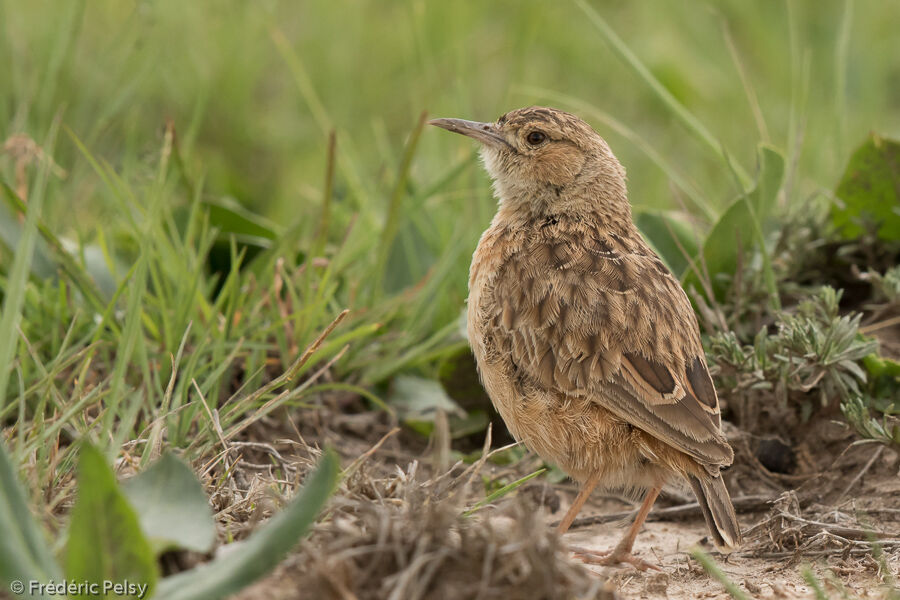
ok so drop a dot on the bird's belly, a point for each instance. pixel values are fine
(575, 433)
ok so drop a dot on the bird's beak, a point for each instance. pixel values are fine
(486, 133)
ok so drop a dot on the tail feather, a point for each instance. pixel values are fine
(717, 511)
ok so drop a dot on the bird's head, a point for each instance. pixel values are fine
(545, 160)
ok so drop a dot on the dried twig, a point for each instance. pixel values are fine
(751, 503)
(861, 472)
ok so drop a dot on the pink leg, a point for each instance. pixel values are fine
(622, 552)
(580, 499)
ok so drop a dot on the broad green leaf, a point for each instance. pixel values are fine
(878, 366)
(728, 238)
(49, 250)
(24, 554)
(768, 182)
(11, 232)
(239, 229)
(670, 236)
(738, 232)
(869, 190)
(230, 217)
(417, 398)
(172, 507)
(105, 539)
(475, 421)
(263, 550)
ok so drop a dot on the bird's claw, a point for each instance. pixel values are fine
(612, 557)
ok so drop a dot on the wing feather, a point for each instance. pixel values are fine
(595, 315)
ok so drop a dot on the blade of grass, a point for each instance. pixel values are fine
(749, 91)
(506, 489)
(108, 176)
(63, 420)
(451, 173)
(239, 406)
(316, 249)
(18, 275)
(392, 220)
(355, 389)
(154, 441)
(691, 123)
(814, 582)
(411, 355)
(317, 108)
(73, 270)
(841, 50)
(63, 41)
(131, 334)
(283, 398)
(710, 566)
(327, 193)
(24, 553)
(262, 550)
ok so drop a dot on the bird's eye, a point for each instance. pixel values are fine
(535, 137)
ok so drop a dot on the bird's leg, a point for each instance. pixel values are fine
(622, 552)
(579, 501)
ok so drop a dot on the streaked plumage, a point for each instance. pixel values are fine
(585, 342)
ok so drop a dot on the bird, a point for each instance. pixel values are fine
(584, 340)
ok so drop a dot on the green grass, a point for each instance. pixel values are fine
(175, 108)
(228, 178)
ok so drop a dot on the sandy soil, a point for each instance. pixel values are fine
(391, 523)
(666, 544)
(761, 568)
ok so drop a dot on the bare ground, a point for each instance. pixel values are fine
(394, 529)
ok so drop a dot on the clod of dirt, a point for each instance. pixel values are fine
(400, 538)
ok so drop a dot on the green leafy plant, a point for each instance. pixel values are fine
(886, 286)
(859, 413)
(105, 539)
(113, 538)
(24, 552)
(814, 349)
(263, 550)
(869, 191)
(173, 510)
(739, 234)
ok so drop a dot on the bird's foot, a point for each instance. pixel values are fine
(612, 557)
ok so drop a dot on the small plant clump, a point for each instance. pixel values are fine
(813, 354)
(811, 357)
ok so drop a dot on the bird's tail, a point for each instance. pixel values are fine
(718, 511)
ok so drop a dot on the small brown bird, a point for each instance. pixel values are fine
(585, 342)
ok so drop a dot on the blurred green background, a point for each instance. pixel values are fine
(255, 122)
(252, 90)
(173, 254)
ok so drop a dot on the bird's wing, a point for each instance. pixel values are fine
(596, 315)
